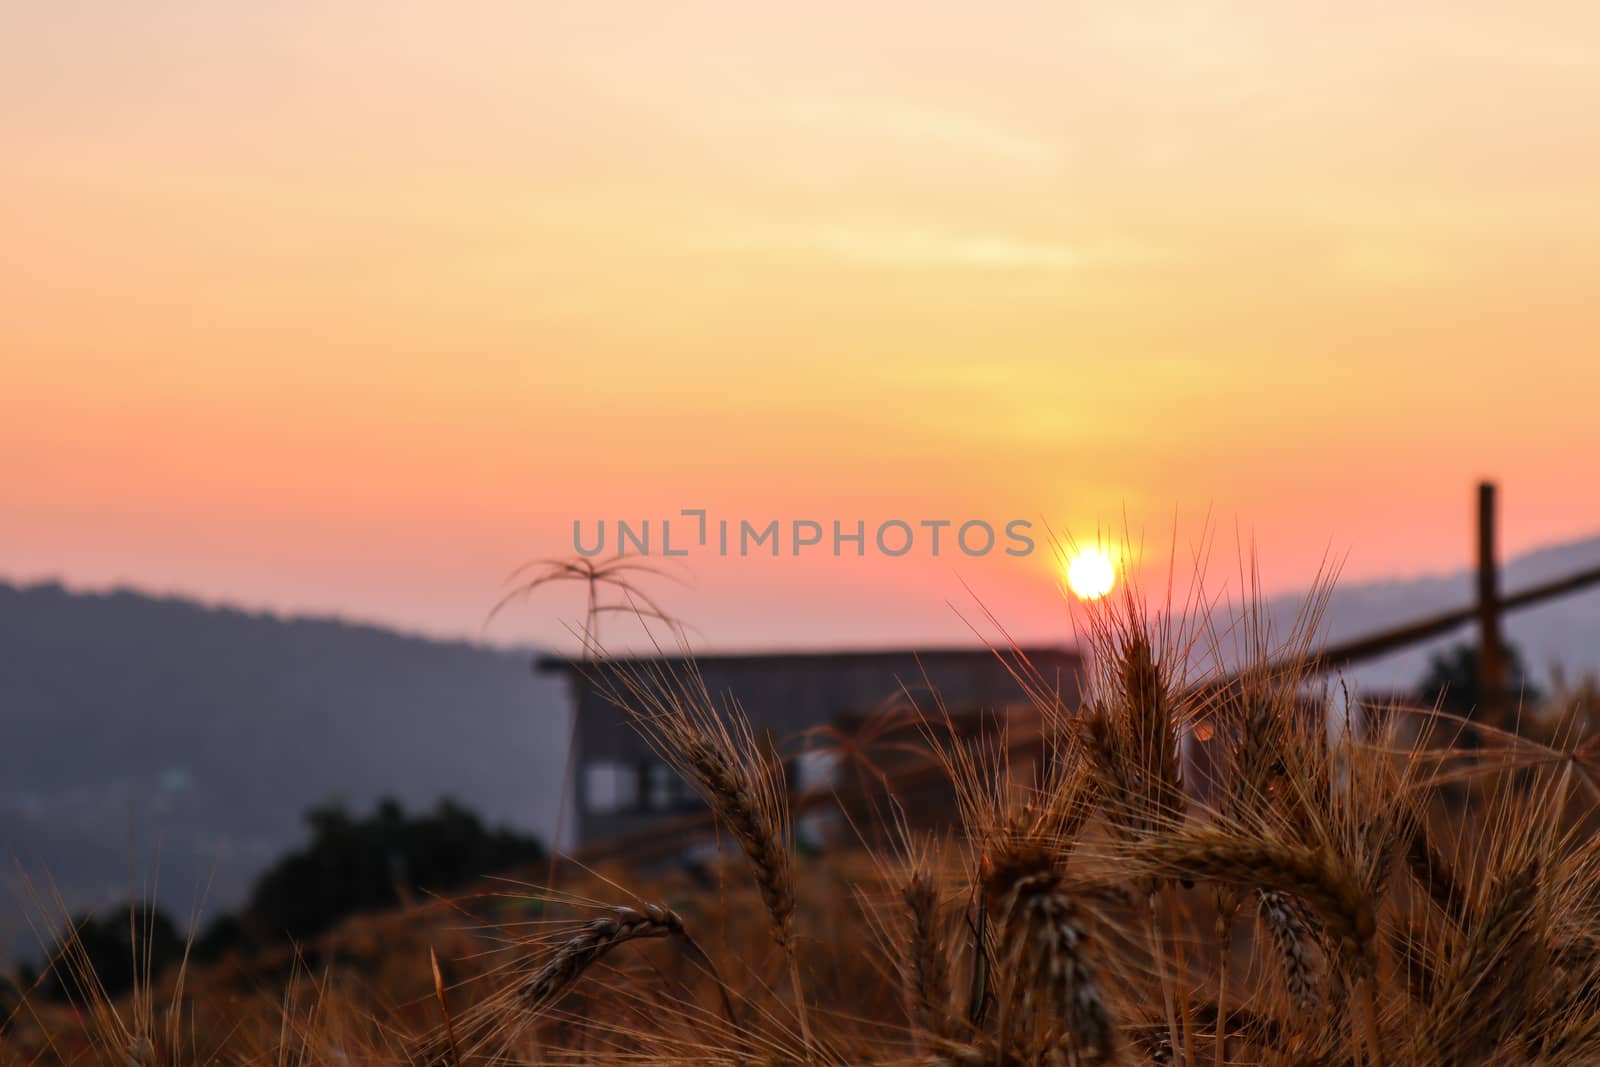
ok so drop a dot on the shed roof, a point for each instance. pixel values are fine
(820, 658)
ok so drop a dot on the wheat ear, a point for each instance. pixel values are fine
(597, 937)
(1046, 938)
(927, 969)
(1482, 996)
(1291, 939)
(1433, 872)
(742, 783)
(750, 825)
(1312, 874)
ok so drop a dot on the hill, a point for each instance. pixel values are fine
(194, 738)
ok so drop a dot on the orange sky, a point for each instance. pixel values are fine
(351, 312)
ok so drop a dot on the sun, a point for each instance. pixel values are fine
(1091, 574)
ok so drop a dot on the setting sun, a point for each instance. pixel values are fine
(1091, 574)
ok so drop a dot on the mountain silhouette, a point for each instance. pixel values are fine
(155, 740)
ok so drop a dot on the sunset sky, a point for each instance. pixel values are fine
(336, 311)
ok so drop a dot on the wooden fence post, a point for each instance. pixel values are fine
(1491, 650)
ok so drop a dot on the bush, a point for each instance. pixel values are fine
(120, 946)
(361, 864)
(1452, 679)
(352, 865)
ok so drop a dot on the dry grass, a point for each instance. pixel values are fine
(1090, 910)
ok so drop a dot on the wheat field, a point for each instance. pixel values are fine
(1331, 886)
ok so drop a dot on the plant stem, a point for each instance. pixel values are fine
(1224, 951)
(800, 1004)
(1159, 957)
(1367, 1008)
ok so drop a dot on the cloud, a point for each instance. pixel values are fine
(927, 247)
(948, 131)
(1389, 263)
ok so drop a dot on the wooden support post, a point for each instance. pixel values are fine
(1491, 649)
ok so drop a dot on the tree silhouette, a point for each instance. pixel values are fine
(353, 864)
(361, 864)
(1452, 679)
(115, 948)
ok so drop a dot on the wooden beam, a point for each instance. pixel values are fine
(1383, 642)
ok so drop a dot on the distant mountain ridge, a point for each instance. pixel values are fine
(191, 739)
